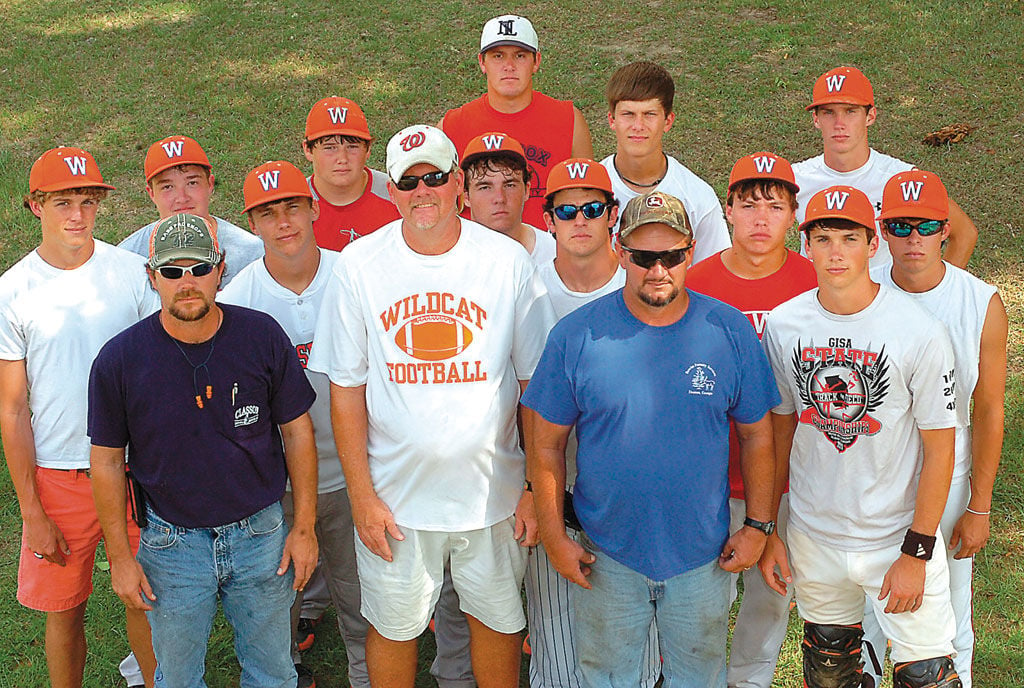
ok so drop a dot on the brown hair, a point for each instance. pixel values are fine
(769, 189)
(96, 193)
(499, 161)
(333, 138)
(641, 81)
(837, 223)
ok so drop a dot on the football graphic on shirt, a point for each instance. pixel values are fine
(433, 337)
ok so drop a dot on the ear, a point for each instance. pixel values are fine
(623, 256)
(946, 230)
(728, 214)
(149, 191)
(315, 207)
(252, 225)
(480, 61)
(36, 207)
(611, 119)
(536, 62)
(306, 151)
(613, 217)
(873, 246)
(872, 115)
(669, 120)
(549, 222)
(814, 118)
(212, 180)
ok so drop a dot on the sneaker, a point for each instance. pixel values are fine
(130, 671)
(306, 679)
(305, 635)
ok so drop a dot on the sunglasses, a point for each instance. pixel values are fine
(173, 272)
(591, 211)
(902, 229)
(647, 259)
(431, 179)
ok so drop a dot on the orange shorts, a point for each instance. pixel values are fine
(66, 497)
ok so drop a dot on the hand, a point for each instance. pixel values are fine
(374, 522)
(300, 548)
(130, 584)
(742, 550)
(526, 532)
(44, 537)
(571, 561)
(904, 585)
(970, 533)
(774, 555)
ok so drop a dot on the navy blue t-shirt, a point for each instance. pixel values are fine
(651, 407)
(201, 467)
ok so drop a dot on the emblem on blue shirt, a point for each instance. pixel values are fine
(702, 379)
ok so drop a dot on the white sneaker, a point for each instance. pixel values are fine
(130, 670)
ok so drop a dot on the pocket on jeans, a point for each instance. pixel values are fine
(266, 521)
(156, 536)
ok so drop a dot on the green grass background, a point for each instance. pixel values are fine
(240, 77)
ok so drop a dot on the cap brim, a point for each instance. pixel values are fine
(277, 196)
(915, 211)
(177, 163)
(839, 100)
(468, 160)
(517, 44)
(364, 135)
(183, 254)
(62, 186)
(792, 186)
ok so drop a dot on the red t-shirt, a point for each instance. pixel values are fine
(340, 224)
(544, 128)
(755, 298)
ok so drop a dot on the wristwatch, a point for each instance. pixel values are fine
(766, 528)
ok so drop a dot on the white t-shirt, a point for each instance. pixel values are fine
(960, 301)
(565, 300)
(813, 175)
(440, 343)
(543, 248)
(240, 246)
(254, 288)
(862, 386)
(57, 321)
(702, 206)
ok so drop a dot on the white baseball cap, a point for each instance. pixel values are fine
(420, 143)
(509, 29)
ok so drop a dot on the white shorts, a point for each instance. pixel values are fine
(831, 585)
(487, 567)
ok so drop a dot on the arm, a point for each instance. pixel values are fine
(372, 517)
(300, 547)
(963, 235)
(783, 429)
(972, 530)
(546, 470)
(582, 147)
(108, 491)
(757, 464)
(904, 581)
(41, 534)
(526, 514)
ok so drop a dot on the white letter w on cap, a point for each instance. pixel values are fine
(764, 164)
(338, 115)
(173, 148)
(835, 82)
(268, 180)
(492, 141)
(577, 170)
(76, 164)
(911, 190)
(836, 200)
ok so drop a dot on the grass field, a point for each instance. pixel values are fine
(240, 77)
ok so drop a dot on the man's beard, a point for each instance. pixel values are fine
(189, 315)
(659, 301)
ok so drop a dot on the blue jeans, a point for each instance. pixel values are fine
(613, 621)
(189, 568)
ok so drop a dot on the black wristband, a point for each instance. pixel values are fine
(918, 546)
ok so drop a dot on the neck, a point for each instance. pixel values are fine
(195, 332)
(584, 274)
(847, 162)
(65, 258)
(294, 274)
(658, 317)
(439, 239)
(510, 105)
(753, 266)
(341, 195)
(919, 282)
(644, 171)
(849, 300)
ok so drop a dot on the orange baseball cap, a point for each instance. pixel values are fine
(840, 203)
(65, 167)
(916, 194)
(578, 173)
(274, 181)
(339, 116)
(490, 143)
(842, 85)
(763, 166)
(171, 152)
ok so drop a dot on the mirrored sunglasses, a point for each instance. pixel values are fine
(173, 272)
(591, 211)
(431, 179)
(901, 229)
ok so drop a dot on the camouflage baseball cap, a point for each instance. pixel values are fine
(183, 237)
(655, 207)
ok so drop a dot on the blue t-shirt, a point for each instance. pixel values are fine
(651, 407)
(201, 467)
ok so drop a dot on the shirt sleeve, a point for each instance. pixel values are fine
(551, 393)
(341, 340)
(107, 418)
(535, 317)
(780, 368)
(932, 382)
(758, 391)
(710, 231)
(12, 339)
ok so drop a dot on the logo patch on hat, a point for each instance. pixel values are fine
(655, 202)
(76, 164)
(836, 200)
(269, 179)
(413, 140)
(834, 82)
(338, 114)
(493, 141)
(911, 190)
(764, 164)
(506, 28)
(173, 149)
(577, 170)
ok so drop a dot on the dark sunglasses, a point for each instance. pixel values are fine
(903, 229)
(173, 272)
(591, 211)
(647, 259)
(431, 179)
